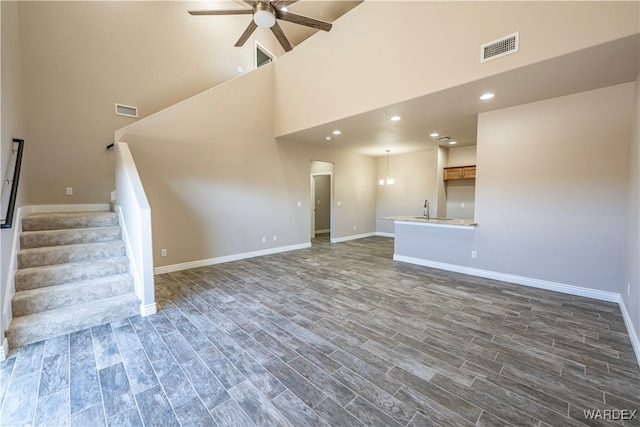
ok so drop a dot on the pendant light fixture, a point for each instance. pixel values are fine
(389, 181)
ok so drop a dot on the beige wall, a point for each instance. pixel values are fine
(462, 156)
(415, 181)
(12, 94)
(80, 58)
(217, 180)
(632, 273)
(461, 193)
(420, 47)
(551, 189)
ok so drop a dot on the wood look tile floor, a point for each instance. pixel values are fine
(334, 335)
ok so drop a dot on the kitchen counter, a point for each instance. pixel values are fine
(438, 242)
(437, 222)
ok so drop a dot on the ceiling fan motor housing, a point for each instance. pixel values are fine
(265, 15)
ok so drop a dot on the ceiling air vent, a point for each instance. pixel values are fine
(501, 47)
(443, 139)
(126, 110)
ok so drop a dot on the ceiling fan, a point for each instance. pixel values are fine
(265, 14)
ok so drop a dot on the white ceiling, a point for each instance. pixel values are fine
(324, 10)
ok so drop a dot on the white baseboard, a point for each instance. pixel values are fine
(228, 258)
(383, 234)
(519, 280)
(353, 237)
(148, 310)
(631, 330)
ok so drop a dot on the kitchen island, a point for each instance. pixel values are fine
(446, 243)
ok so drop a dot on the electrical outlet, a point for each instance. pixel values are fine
(69, 191)
(275, 237)
(163, 252)
(299, 204)
(264, 239)
(354, 228)
(628, 289)
(474, 254)
(462, 205)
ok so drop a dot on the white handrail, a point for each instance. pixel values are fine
(134, 212)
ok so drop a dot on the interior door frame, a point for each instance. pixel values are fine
(313, 203)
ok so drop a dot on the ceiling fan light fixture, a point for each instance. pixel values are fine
(264, 16)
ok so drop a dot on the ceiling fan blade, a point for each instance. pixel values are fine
(277, 31)
(243, 38)
(303, 20)
(222, 12)
(282, 3)
(250, 2)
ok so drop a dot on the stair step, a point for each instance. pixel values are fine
(65, 220)
(38, 239)
(55, 297)
(51, 255)
(39, 326)
(39, 277)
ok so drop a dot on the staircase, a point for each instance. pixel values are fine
(73, 274)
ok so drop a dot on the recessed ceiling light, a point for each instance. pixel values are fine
(328, 138)
(453, 142)
(336, 132)
(434, 135)
(486, 96)
(395, 118)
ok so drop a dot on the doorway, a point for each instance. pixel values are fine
(321, 199)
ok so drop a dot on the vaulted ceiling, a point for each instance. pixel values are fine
(453, 112)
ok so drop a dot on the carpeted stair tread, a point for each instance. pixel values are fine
(36, 327)
(65, 220)
(51, 255)
(37, 239)
(73, 274)
(38, 277)
(55, 297)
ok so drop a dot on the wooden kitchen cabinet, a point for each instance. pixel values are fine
(460, 172)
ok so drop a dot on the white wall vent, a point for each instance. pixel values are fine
(126, 110)
(501, 47)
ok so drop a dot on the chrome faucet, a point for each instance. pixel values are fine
(426, 209)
